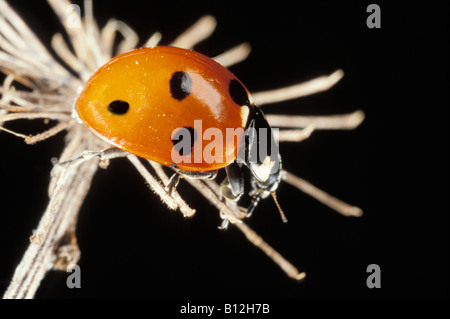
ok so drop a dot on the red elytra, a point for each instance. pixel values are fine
(139, 100)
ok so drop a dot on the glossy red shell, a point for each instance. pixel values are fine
(141, 78)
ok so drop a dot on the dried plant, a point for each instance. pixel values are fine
(36, 86)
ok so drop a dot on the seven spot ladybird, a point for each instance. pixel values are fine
(142, 101)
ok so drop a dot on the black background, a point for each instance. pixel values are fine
(392, 165)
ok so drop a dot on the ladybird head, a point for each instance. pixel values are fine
(262, 154)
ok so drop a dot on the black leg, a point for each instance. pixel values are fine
(173, 182)
(255, 200)
(232, 186)
(235, 179)
(175, 178)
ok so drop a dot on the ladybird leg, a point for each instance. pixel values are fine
(255, 201)
(173, 182)
(224, 224)
(104, 155)
(232, 187)
(175, 178)
(199, 175)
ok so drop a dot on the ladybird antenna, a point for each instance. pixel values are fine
(283, 216)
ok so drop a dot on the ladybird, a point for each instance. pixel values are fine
(148, 100)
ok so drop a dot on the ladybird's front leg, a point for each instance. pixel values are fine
(255, 201)
(232, 187)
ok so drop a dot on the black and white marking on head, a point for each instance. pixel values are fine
(238, 93)
(118, 107)
(184, 140)
(180, 85)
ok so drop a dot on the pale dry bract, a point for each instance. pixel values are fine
(47, 90)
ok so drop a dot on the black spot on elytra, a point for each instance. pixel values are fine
(180, 85)
(118, 107)
(180, 144)
(238, 93)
